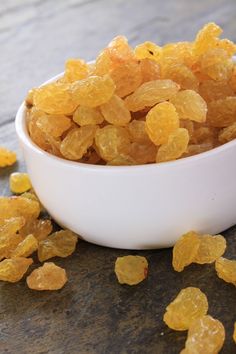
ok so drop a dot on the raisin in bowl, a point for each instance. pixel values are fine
(134, 207)
(137, 147)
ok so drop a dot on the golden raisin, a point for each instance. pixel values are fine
(9, 238)
(93, 91)
(222, 113)
(19, 182)
(7, 157)
(151, 93)
(228, 133)
(190, 304)
(161, 121)
(40, 228)
(216, 64)
(12, 270)
(87, 116)
(75, 69)
(150, 70)
(54, 124)
(26, 247)
(77, 142)
(206, 38)
(138, 132)
(211, 90)
(175, 147)
(18, 206)
(47, 277)
(115, 111)
(55, 98)
(210, 248)
(148, 50)
(127, 78)
(182, 75)
(131, 270)
(206, 335)
(61, 244)
(190, 105)
(111, 141)
(143, 153)
(185, 250)
(226, 270)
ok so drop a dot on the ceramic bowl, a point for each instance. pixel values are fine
(135, 207)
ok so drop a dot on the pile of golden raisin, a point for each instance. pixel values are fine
(138, 106)
(22, 232)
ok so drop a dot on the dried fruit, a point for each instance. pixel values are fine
(18, 206)
(226, 270)
(127, 78)
(53, 125)
(26, 247)
(12, 270)
(93, 91)
(9, 239)
(148, 50)
(36, 134)
(122, 88)
(87, 116)
(216, 65)
(222, 113)
(185, 250)
(115, 111)
(138, 132)
(143, 153)
(190, 105)
(112, 141)
(75, 69)
(210, 248)
(29, 100)
(161, 121)
(206, 38)
(190, 304)
(131, 270)
(61, 244)
(150, 70)
(119, 51)
(211, 90)
(40, 228)
(228, 133)
(55, 98)
(47, 277)
(151, 93)
(77, 142)
(19, 182)
(206, 335)
(180, 74)
(122, 160)
(7, 157)
(175, 147)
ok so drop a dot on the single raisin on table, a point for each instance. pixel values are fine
(131, 270)
(206, 335)
(190, 304)
(48, 277)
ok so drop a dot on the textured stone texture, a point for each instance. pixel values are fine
(93, 313)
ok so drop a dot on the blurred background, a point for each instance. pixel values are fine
(36, 36)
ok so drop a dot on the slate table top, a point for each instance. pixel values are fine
(93, 313)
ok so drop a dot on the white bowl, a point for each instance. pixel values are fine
(135, 207)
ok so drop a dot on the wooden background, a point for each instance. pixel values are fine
(93, 314)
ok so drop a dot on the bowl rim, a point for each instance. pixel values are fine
(23, 135)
